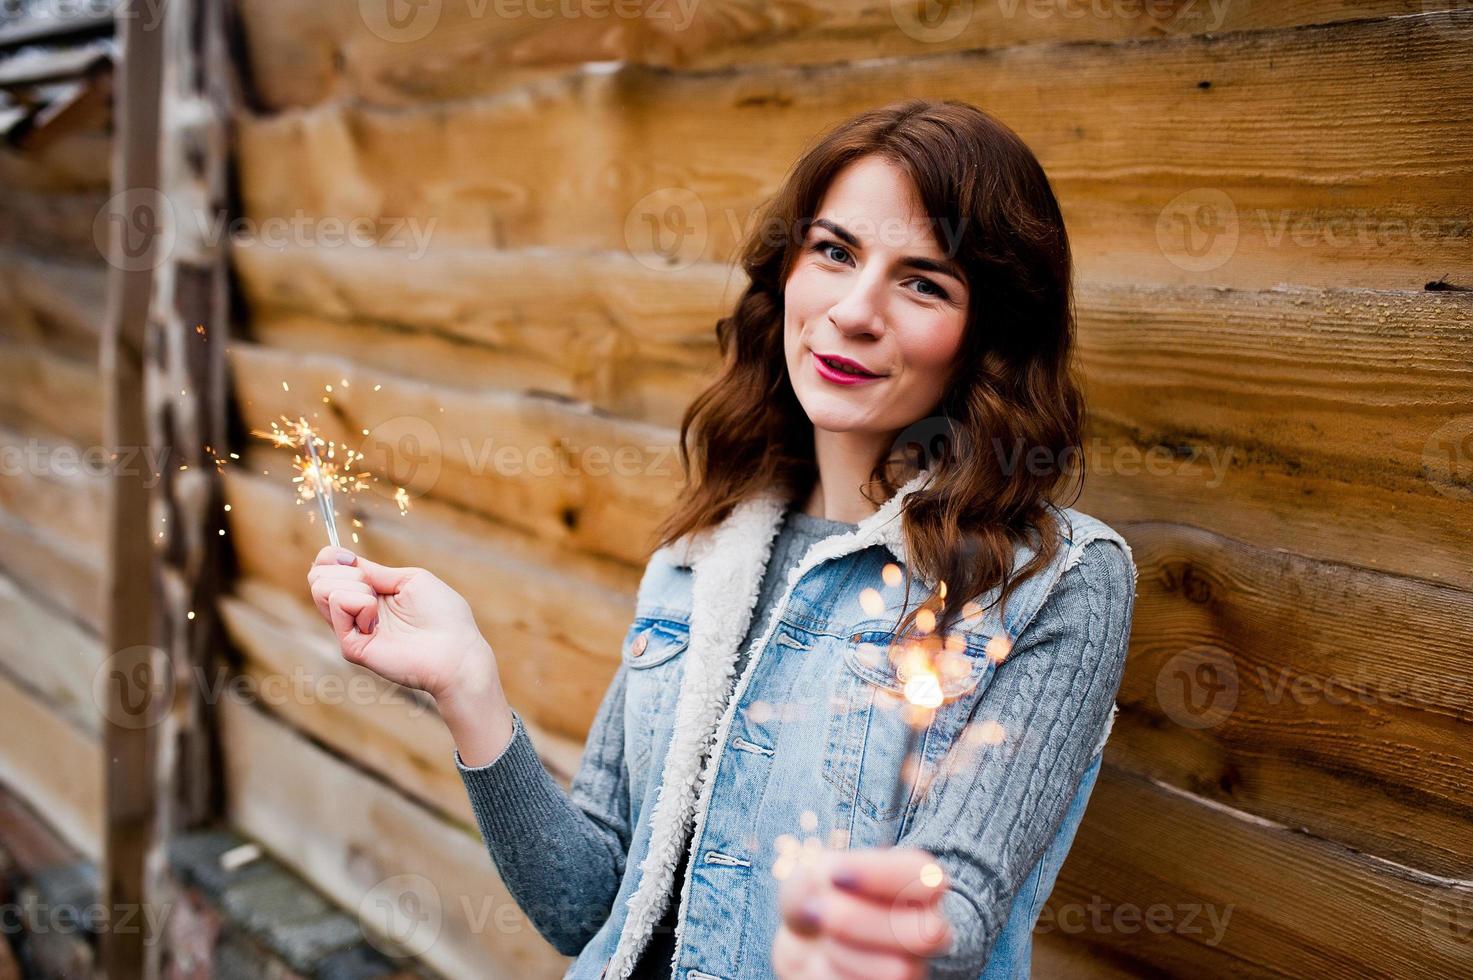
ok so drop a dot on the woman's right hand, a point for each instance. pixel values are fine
(404, 624)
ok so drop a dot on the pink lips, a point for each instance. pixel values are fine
(839, 377)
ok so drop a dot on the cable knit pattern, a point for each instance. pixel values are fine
(1052, 696)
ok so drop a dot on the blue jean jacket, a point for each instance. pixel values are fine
(808, 742)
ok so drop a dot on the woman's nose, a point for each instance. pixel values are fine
(859, 309)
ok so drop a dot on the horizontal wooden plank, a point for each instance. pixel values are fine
(302, 54)
(294, 668)
(555, 655)
(1190, 889)
(601, 328)
(72, 162)
(1283, 418)
(1144, 144)
(51, 654)
(51, 304)
(68, 578)
(56, 487)
(1311, 694)
(1327, 423)
(46, 395)
(56, 767)
(367, 847)
(59, 224)
(597, 483)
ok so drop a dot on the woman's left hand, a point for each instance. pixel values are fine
(870, 914)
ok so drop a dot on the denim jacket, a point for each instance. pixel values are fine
(808, 743)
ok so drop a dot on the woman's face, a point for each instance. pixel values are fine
(874, 283)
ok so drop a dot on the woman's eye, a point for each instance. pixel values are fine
(823, 248)
(938, 294)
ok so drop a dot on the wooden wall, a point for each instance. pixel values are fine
(54, 178)
(1270, 207)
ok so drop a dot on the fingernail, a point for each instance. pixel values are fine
(810, 914)
(346, 557)
(846, 879)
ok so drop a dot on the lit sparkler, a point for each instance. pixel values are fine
(320, 473)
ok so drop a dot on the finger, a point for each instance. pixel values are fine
(885, 926)
(330, 555)
(905, 873)
(324, 586)
(867, 964)
(385, 579)
(791, 954)
(798, 900)
(352, 611)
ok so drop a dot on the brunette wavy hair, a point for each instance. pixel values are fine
(1011, 415)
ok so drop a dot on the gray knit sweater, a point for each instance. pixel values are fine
(517, 802)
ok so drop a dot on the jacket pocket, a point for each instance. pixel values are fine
(652, 653)
(864, 760)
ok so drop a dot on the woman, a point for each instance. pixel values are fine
(909, 287)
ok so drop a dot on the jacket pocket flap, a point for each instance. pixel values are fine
(650, 643)
(951, 673)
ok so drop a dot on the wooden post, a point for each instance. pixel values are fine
(129, 838)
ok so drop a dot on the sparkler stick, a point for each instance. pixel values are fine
(923, 695)
(321, 476)
(322, 489)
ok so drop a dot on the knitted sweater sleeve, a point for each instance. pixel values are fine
(560, 854)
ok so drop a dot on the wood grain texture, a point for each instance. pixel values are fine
(306, 54)
(362, 842)
(56, 767)
(296, 671)
(1146, 144)
(555, 623)
(548, 467)
(1272, 684)
(51, 654)
(1193, 889)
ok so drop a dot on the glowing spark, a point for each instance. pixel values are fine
(891, 574)
(320, 474)
(872, 602)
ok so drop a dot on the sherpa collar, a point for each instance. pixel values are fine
(727, 564)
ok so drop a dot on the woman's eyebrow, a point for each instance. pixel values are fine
(945, 267)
